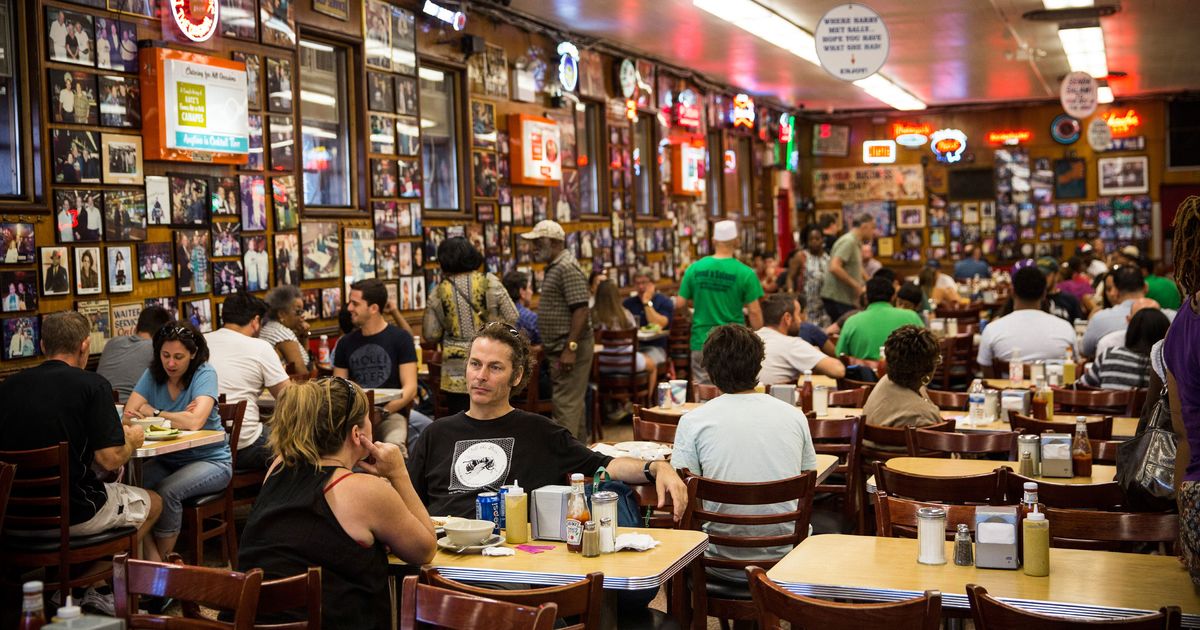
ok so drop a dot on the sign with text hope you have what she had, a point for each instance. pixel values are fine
(852, 42)
(194, 107)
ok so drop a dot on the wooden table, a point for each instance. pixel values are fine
(1088, 584)
(266, 402)
(186, 440)
(942, 467)
(1124, 427)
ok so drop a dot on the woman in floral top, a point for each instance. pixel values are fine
(815, 264)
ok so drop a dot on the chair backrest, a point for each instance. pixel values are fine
(849, 383)
(992, 614)
(530, 400)
(987, 488)
(704, 393)
(1068, 496)
(434, 380)
(964, 314)
(843, 438)
(232, 415)
(775, 604)
(650, 415)
(616, 351)
(1105, 451)
(7, 472)
(926, 443)
(423, 605)
(215, 588)
(1116, 401)
(302, 590)
(1097, 429)
(1112, 531)
(653, 431)
(948, 400)
(40, 496)
(581, 601)
(897, 518)
(898, 436)
(799, 488)
(849, 397)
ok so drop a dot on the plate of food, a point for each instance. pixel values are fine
(156, 432)
(649, 451)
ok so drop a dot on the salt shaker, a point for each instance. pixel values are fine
(608, 536)
(931, 535)
(963, 555)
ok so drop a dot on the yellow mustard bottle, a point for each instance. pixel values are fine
(1035, 531)
(516, 508)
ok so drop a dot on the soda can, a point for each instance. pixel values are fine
(487, 508)
(664, 396)
(503, 510)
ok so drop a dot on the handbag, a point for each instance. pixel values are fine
(1146, 463)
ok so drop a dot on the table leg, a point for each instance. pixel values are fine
(608, 616)
(134, 472)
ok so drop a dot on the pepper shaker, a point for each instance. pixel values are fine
(963, 556)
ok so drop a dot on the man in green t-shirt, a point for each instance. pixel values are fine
(1160, 289)
(845, 280)
(717, 287)
(865, 332)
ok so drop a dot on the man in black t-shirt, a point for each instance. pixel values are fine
(492, 444)
(380, 355)
(59, 401)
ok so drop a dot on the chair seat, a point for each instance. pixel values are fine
(35, 544)
(609, 377)
(720, 588)
(203, 500)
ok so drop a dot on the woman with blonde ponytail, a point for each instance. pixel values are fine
(324, 505)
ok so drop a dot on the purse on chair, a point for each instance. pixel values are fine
(1146, 463)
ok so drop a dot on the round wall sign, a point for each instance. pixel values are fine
(1078, 94)
(1064, 129)
(627, 78)
(196, 19)
(852, 42)
(1099, 135)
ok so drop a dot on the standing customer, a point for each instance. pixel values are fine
(462, 303)
(125, 358)
(285, 314)
(846, 279)
(812, 268)
(1181, 353)
(180, 388)
(564, 320)
(718, 287)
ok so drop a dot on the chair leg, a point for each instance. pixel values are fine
(197, 524)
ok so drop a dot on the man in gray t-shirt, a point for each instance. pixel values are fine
(125, 358)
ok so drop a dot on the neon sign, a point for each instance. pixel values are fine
(196, 19)
(786, 128)
(948, 144)
(568, 66)
(730, 161)
(631, 109)
(1012, 136)
(1123, 125)
(911, 135)
(687, 109)
(456, 19)
(879, 151)
(743, 111)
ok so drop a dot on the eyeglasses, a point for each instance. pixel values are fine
(177, 332)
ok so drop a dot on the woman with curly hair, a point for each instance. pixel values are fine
(1181, 353)
(899, 399)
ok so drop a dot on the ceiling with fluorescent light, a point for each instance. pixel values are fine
(944, 52)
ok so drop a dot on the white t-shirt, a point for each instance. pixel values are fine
(1038, 335)
(245, 366)
(58, 38)
(786, 357)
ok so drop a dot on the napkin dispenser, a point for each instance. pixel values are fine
(996, 537)
(1056, 455)
(549, 512)
(1016, 401)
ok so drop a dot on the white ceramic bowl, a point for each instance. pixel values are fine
(467, 532)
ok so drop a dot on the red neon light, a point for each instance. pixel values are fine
(1013, 136)
(687, 115)
(743, 111)
(196, 19)
(1124, 125)
(900, 129)
(825, 130)
(947, 145)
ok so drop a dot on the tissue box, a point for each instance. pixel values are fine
(1016, 401)
(996, 537)
(548, 512)
(1056, 455)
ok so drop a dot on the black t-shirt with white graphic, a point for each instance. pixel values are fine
(375, 360)
(458, 457)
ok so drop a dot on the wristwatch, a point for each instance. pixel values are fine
(649, 303)
(647, 473)
(157, 412)
(572, 346)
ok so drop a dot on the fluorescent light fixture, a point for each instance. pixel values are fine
(894, 95)
(1104, 95)
(317, 132)
(429, 74)
(317, 98)
(1052, 5)
(316, 46)
(1085, 50)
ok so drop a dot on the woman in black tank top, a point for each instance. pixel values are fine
(313, 511)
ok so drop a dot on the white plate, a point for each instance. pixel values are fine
(158, 437)
(495, 540)
(644, 450)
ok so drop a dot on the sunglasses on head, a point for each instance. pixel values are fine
(177, 332)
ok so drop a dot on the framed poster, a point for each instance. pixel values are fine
(1124, 175)
(321, 247)
(333, 8)
(122, 159)
(831, 140)
(197, 104)
(536, 151)
(1070, 178)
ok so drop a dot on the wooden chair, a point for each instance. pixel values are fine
(679, 345)
(1068, 496)
(214, 588)
(7, 473)
(615, 373)
(985, 489)
(704, 393)
(434, 381)
(849, 383)
(1097, 429)
(993, 614)
(40, 499)
(958, 360)
(842, 438)
(965, 315)
(531, 400)
(897, 518)
(1105, 451)
(1099, 401)
(926, 443)
(650, 415)
(211, 515)
(425, 606)
(856, 397)
(1110, 531)
(275, 596)
(727, 599)
(948, 400)
(653, 431)
(775, 605)
(877, 440)
(581, 601)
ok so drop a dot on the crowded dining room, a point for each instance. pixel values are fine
(533, 314)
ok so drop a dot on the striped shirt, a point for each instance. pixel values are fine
(1118, 368)
(275, 333)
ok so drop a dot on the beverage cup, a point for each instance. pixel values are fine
(821, 401)
(679, 389)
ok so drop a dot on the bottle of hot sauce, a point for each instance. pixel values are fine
(577, 514)
(806, 392)
(33, 615)
(1081, 450)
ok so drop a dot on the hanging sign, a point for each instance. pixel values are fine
(1009, 136)
(194, 107)
(948, 144)
(897, 182)
(196, 19)
(687, 169)
(787, 127)
(1132, 143)
(568, 66)
(879, 151)
(456, 19)
(852, 42)
(743, 111)
(911, 135)
(627, 78)
(1064, 129)
(1078, 94)
(1123, 125)
(536, 149)
(687, 109)
(1099, 136)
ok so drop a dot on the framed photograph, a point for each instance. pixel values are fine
(120, 271)
(191, 261)
(254, 202)
(409, 178)
(18, 291)
(279, 85)
(377, 27)
(418, 257)
(76, 156)
(321, 250)
(418, 289)
(970, 212)
(383, 134)
(405, 303)
(278, 21)
(17, 243)
(228, 277)
(78, 215)
(253, 77)
(140, 8)
(69, 35)
(238, 19)
(312, 303)
(1070, 178)
(224, 196)
(406, 96)
(158, 200)
(404, 41)
(189, 200)
(331, 302)
(226, 239)
(830, 140)
(487, 180)
(56, 276)
(254, 161)
(125, 215)
(154, 261)
(383, 178)
(22, 337)
(404, 255)
(88, 280)
(332, 8)
(287, 259)
(385, 219)
(283, 143)
(414, 214)
(360, 254)
(73, 97)
(833, 213)
(199, 313)
(283, 198)
(120, 101)
(1124, 175)
(381, 96)
(483, 125)
(122, 159)
(170, 303)
(257, 263)
(408, 136)
(486, 212)
(387, 260)
(116, 44)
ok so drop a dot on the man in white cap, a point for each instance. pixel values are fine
(718, 287)
(564, 321)
(845, 280)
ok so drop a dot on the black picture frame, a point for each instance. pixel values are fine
(190, 203)
(125, 215)
(78, 215)
(279, 85)
(155, 261)
(73, 97)
(254, 90)
(282, 136)
(62, 42)
(75, 156)
(192, 263)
